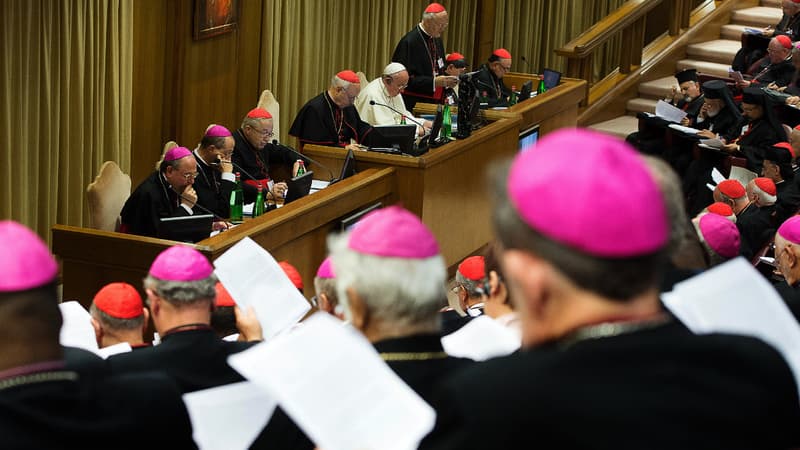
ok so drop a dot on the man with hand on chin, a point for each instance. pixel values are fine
(167, 192)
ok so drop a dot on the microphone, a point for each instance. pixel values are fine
(468, 75)
(522, 58)
(304, 157)
(373, 103)
(203, 208)
(240, 169)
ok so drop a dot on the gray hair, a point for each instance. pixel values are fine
(670, 186)
(327, 286)
(115, 323)
(183, 293)
(474, 288)
(403, 293)
(253, 122)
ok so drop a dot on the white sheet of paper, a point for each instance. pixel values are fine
(122, 347)
(717, 176)
(77, 330)
(480, 339)
(228, 417)
(750, 30)
(743, 175)
(713, 143)
(247, 209)
(336, 388)
(253, 277)
(734, 298)
(683, 129)
(669, 112)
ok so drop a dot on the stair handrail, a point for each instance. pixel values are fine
(628, 19)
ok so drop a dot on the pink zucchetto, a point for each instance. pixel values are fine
(25, 262)
(790, 229)
(181, 263)
(325, 269)
(218, 131)
(601, 213)
(720, 234)
(349, 76)
(393, 232)
(176, 153)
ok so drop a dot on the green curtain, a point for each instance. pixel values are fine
(65, 104)
(305, 42)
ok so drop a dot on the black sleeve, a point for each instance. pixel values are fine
(410, 54)
(310, 127)
(282, 433)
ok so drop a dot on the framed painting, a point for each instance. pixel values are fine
(215, 17)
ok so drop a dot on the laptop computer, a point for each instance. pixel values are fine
(185, 228)
(525, 93)
(298, 187)
(393, 138)
(348, 167)
(551, 78)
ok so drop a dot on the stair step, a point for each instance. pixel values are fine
(771, 3)
(640, 104)
(758, 16)
(711, 68)
(732, 31)
(619, 126)
(718, 50)
(658, 89)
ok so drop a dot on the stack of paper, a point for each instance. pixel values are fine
(253, 277)
(683, 129)
(735, 298)
(77, 329)
(336, 388)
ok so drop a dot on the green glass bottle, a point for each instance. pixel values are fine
(512, 99)
(447, 122)
(484, 100)
(237, 200)
(301, 167)
(403, 120)
(258, 208)
(542, 88)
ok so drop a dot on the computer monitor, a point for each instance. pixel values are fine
(299, 187)
(525, 93)
(468, 106)
(400, 137)
(348, 167)
(185, 228)
(528, 138)
(551, 78)
(349, 222)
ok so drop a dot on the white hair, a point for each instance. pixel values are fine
(393, 68)
(338, 82)
(402, 293)
(764, 199)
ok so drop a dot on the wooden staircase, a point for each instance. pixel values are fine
(711, 57)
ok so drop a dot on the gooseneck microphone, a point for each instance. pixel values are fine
(240, 169)
(203, 208)
(302, 156)
(373, 103)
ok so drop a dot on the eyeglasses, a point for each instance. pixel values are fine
(191, 176)
(263, 132)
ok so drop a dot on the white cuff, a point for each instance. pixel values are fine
(191, 213)
(229, 176)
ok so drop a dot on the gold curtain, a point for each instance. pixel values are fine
(305, 42)
(65, 105)
(535, 28)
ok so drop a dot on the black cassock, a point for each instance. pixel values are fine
(151, 201)
(755, 229)
(321, 122)
(568, 394)
(650, 138)
(726, 124)
(497, 93)
(423, 56)
(213, 193)
(256, 162)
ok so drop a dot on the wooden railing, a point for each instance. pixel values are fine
(629, 20)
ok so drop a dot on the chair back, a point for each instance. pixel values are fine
(268, 102)
(363, 79)
(106, 196)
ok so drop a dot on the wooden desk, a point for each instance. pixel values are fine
(556, 108)
(297, 233)
(446, 187)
